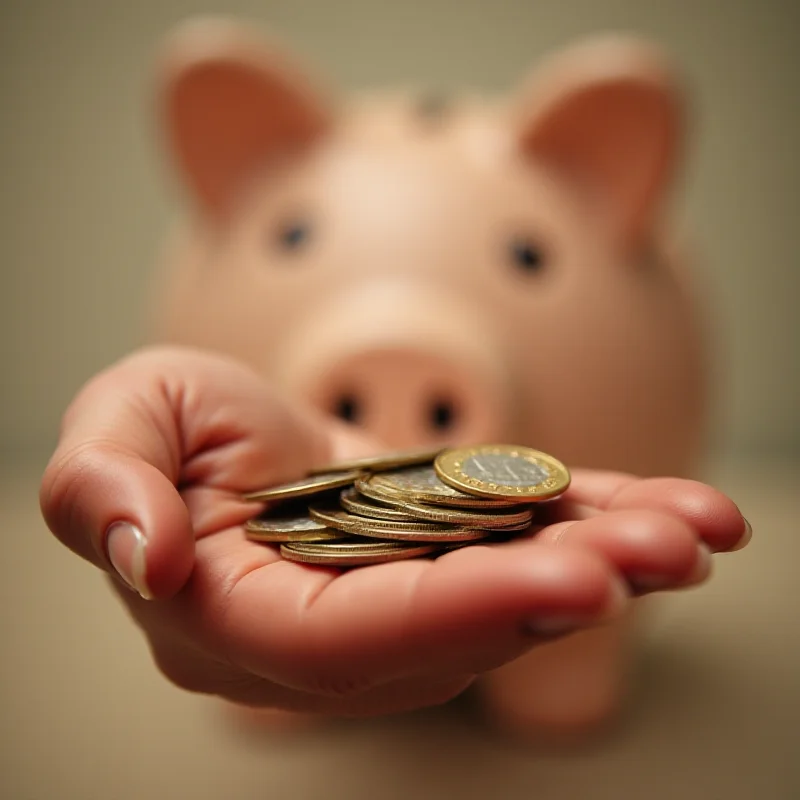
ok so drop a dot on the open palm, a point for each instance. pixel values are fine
(159, 449)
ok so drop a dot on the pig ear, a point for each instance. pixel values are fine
(231, 102)
(609, 114)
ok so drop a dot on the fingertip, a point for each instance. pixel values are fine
(606, 594)
(713, 515)
(539, 575)
(123, 515)
(156, 566)
(575, 589)
(744, 539)
(156, 535)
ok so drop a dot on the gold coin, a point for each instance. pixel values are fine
(420, 485)
(504, 471)
(356, 504)
(504, 520)
(396, 531)
(324, 535)
(285, 523)
(451, 533)
(379, 463)
(305, 487)
(350, 523)
(351, 554)
(300, 528)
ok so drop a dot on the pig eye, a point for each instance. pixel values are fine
(432, 106)
(294, 235)
(527, 255)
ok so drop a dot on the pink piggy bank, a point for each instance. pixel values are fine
(449, 270)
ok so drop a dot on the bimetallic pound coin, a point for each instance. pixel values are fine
(300, 528)
(353, 554)
(362, 506)
(380, 463)
(420, 485)
(389, 530)
(503, 471)
(351, 523)
(376, 493)
(501, 520)
(305, 487)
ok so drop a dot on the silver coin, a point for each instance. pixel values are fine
(352, 554)
(284, 524)
(505, 519)
(503, 470)
(422, 484)
(294, 528)
(362, 506)
(395, 530)
(352, 523)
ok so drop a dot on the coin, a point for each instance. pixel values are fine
(395, 530)
(347, 554)
(351, 523)
(295, 528)
(503, 471)
(355, 503)
(305, 487)
(402, 505)
(419, 485)
(379, 463)
(503, 520)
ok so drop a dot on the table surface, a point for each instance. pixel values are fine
(717, 710)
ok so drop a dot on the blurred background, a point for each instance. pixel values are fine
(86, 201)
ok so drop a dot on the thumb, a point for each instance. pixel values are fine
(158, 427)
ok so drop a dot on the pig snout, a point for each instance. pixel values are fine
(408, 396)
(406, 367)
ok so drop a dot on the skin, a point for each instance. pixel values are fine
(169, 438)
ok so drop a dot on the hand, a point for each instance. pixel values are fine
(146, 484)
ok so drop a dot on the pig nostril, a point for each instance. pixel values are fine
(347, 408)
(442, 416)
(294, 235)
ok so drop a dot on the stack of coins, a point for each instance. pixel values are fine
(408, 504)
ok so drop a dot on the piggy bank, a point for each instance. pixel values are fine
(448, 269)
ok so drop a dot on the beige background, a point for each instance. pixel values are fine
(85, 202)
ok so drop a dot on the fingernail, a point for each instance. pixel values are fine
(745, 538)
(702, 567)
(126, 545)
(559, 625)
(655, 583)
(617, 601)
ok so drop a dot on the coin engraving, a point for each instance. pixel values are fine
(343, 520)
(284, 524)
(362, 506)
(419, 531)
(280, 537)
(421, 484)
(503, 471)
(499, 520)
